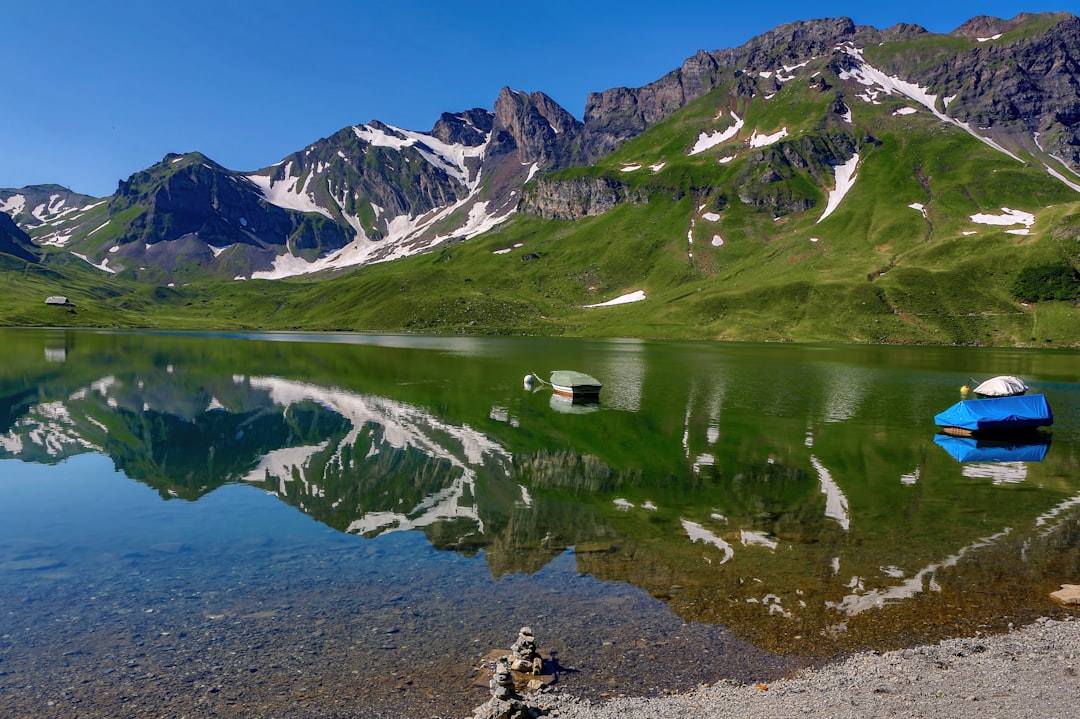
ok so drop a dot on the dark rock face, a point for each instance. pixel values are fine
(1017, 87)
(189, 195)
(982, 26)
(789, 44)
(14, 241)
(349, 174)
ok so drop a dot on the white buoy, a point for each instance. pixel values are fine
(529, 380)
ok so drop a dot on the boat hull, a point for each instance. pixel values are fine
(583, 391)
(575, 384)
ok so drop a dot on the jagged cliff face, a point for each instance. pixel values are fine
(1026, 90)
(375, 192)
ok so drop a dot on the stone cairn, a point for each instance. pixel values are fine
(505, 701)
(524, 657)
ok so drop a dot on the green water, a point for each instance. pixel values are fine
(796, 499)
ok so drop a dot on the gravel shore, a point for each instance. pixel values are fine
(1030, 672)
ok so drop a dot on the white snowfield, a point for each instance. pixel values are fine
(286, 194)
(845, 180)
(709, 140)
(1007, 217)
(757, 140)
(637, 296)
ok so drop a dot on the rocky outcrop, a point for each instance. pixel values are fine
(358, 169)
(763, 181)
(572, 199)
(619, 114)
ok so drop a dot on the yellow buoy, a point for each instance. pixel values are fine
(964, 390)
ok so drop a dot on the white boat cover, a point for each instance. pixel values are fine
(1002, 386)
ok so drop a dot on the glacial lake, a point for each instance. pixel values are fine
(345, 525)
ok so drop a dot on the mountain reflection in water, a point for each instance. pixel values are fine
(791, 495)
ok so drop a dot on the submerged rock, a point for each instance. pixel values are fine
(1069, 595)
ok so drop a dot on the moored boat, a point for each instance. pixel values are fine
(995, 415)
(569, 383)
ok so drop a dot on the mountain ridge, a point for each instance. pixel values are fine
(335, 176)
(749, 146)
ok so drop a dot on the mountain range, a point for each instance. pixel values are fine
(820, 164)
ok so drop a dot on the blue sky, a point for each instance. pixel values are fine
(94, 91)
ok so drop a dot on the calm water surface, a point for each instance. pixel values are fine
(345, 525)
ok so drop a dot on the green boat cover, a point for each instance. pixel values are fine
(570, 378)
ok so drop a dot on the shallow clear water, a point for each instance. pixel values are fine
(322, 525)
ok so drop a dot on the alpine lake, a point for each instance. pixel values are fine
(317, 525)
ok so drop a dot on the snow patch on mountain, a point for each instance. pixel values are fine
(103, 265)
(404, 239)
(286, 194)
(13, 205)
(637, 296)
(845, 180)
(450, 158)
(757, 140)
(707, 140)
(1058, 176)
(1008, 217)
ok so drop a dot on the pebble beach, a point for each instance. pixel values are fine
(1029, 673)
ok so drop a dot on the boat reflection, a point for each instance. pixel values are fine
(1026, 448)
(573, 405)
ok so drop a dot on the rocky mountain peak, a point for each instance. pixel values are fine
(789, 43)
(982, 26)
(618, 114)
(470, 128)
(536, 128)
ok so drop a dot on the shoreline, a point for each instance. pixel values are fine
(1030, 672)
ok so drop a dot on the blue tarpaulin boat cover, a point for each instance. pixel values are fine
(969, 449)
(998, 413)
